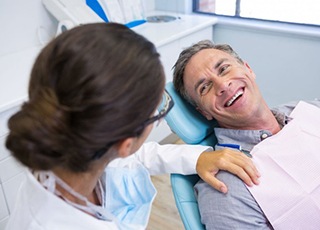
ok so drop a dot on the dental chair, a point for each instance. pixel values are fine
(192, 128)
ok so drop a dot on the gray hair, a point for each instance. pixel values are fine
(186, 55)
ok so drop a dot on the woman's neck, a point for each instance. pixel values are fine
(82, 183)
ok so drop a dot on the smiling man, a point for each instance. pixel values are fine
(221, 86)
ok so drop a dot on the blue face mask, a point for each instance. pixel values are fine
(129, 193)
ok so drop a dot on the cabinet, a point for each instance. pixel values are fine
(11, 172)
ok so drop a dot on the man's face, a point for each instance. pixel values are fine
(222, 88)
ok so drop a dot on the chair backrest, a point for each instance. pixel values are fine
(189, 125)
(185, 121)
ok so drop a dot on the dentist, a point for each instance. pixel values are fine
(93, 93)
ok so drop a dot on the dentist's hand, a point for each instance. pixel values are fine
(235, 162)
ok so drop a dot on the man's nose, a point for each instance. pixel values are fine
(222, 85)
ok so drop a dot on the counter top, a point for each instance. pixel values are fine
(15, 68)
(164, 32)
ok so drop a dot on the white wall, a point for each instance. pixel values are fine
(23, 24)
(148, 4)
(177, 6)
(168, 5)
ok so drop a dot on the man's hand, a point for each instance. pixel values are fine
(209, 164)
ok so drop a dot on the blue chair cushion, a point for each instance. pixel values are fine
(186, 201)
(185, 121)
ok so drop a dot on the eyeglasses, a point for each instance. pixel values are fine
(165, 106)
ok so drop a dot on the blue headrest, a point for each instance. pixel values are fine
(185, 121)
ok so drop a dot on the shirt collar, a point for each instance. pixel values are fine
(247, 139)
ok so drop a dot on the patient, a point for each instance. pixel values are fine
(221, 86)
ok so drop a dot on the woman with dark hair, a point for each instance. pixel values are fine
(93, 93)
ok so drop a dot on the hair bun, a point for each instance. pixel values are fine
(32, 129)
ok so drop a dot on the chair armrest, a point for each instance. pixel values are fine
(186, 201)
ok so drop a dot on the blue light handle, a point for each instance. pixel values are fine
(135, 23)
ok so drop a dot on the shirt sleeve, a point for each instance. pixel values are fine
(170, 158)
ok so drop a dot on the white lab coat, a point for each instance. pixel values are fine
(36, 208)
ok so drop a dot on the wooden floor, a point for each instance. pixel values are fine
(164, 214)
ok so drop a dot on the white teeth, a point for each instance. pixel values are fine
(239, 93)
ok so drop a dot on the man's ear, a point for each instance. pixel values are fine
(250, 70)
(125, 146)
(204, 113)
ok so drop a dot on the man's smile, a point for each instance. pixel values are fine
(236, 96)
